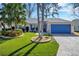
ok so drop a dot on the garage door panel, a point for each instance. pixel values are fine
(60, 28)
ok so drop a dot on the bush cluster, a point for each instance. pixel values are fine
(12, 33)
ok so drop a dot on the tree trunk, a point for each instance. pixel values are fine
(29, 15)
(3, 26)
(46, 14)
(38, 19)
(42, 18)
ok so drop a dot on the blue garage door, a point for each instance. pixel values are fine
(61, 28)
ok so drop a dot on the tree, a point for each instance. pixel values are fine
(38, 19)
(13, 13)
(56, 7)
(42, 17)
(40, 22)
(43, 10)
(2, 18)
(50, 9)
(75, 7)
(30, 9)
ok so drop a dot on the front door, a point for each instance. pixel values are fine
(45, 27)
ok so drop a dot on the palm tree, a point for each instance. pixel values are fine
(2, 18)
(14, 13)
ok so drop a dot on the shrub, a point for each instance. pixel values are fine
(3, 32)
(12, 33)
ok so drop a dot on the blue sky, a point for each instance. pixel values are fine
(64, 13)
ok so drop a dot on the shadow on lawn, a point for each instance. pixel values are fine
(20, 49)
(24, 47)
(28, 52)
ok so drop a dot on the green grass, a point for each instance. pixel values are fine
(23, 46)
(2, 41)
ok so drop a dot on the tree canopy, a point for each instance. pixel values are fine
(13, 12)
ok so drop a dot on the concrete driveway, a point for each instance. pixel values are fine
(69, 45)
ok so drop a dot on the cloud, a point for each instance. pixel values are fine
(66, 9)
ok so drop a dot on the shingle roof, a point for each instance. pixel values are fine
(34, 20)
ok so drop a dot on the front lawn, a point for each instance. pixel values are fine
(24, 46)
(3, 40)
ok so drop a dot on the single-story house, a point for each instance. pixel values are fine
(52, 25)
(76, 24)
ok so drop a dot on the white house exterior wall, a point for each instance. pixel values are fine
(56, 21)
(48, 28)
(72, 28)
(76, 25)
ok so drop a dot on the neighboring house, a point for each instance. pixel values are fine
(55, 25)
(76, 24)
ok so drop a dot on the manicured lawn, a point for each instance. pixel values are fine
(2, 41)
(24, 46)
